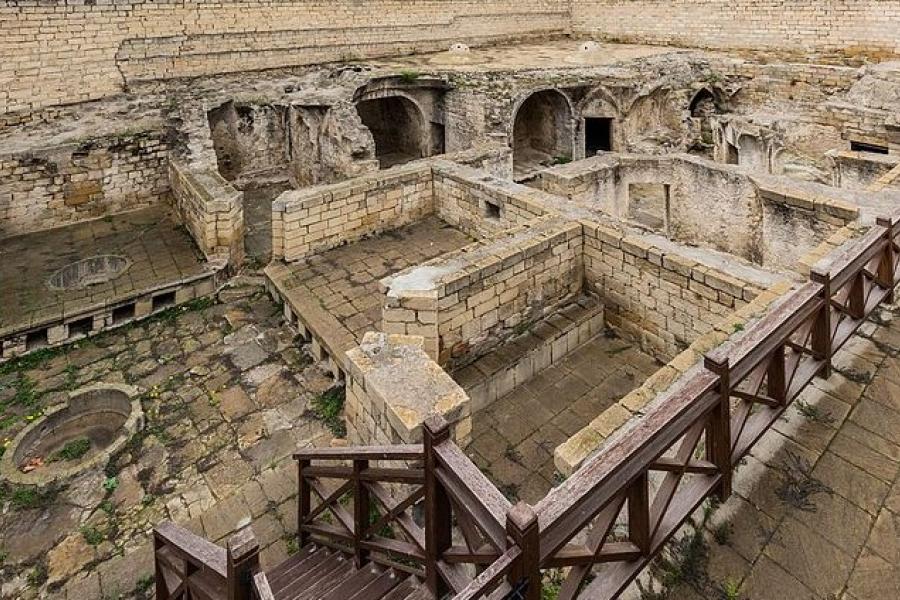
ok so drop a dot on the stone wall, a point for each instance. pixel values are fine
(42, 189)
(63, 52)
(393, 386)
(572, 453)
(211, 210)
(657, 296)
(309, 221)
(481, 206)
(767, 220)
(859, 170)
(468, 302)
(844, 27)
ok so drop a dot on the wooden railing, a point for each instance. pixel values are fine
(350, 506)
(188, 567)
(690, 440)
(427, 509)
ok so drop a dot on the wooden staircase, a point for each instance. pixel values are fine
(318, 573)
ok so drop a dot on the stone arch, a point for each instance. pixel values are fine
(541, 131)
(703, 104)
(398, 127)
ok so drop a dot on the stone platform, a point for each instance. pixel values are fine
(335, 295)
(163, 267)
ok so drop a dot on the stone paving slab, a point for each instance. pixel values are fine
(338, 289)
(514, 438)
(816, 509)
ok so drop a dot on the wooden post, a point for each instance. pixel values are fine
(360, 513)
(162, 593)
(524, 532)
(438, 516)
(821, 335)
(304, 502)
(639, 513)
(242, 564)
(886, 264)
(776, 377)
(718, 431)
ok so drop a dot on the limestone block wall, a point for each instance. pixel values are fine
(767, 220)
(308, 221)
(859, 170)
(481, 206)
(572, 453)
(844, 27)
(393, 386)
(65, 184)
(211, 209)
(658, 297)
(470, 301)
(63, 52)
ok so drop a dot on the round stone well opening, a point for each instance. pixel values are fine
(94, 424)
(88, 271)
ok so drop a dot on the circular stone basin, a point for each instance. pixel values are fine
(89, 271)
(105, 415)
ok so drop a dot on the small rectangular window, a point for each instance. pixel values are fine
(81, 326)
(864, 147)
(122, 314)
(491, 210)
(36, 339)
(163, 301)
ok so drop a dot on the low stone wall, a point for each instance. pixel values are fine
(211, 209)
(312, 220)
(479, 205)
(468, 302)
(660, 297)
(859, 170)
(393, 386)
(65, 184)
(768, 220)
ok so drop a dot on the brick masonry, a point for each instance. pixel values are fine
(65, 184)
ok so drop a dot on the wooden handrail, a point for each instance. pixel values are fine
(787, 348)
(408, 452)
(191, 547)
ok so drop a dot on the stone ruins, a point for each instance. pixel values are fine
(297, 224)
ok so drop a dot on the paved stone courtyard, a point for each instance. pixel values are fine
(227, 396)
(340, 286)
(816, 514)
(514, 438)
(161, 252)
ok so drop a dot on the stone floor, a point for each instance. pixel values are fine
(160, 251)
(816, 513)
(514, 438)
(342, 283)
(258, 197)
(226, 398)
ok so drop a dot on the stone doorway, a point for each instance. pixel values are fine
(598, 135)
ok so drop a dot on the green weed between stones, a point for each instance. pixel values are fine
(72, 450)
(328, 407)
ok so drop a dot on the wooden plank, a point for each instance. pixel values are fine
(491, 577)
(202, 553)
(566, 509)
(459, 468)
(399, 452)
(466, 499)
(261, 587)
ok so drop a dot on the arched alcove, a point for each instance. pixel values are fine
(542, 131)
(398, 127)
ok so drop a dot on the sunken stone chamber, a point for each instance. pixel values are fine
(89, 271)
(107, 415)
